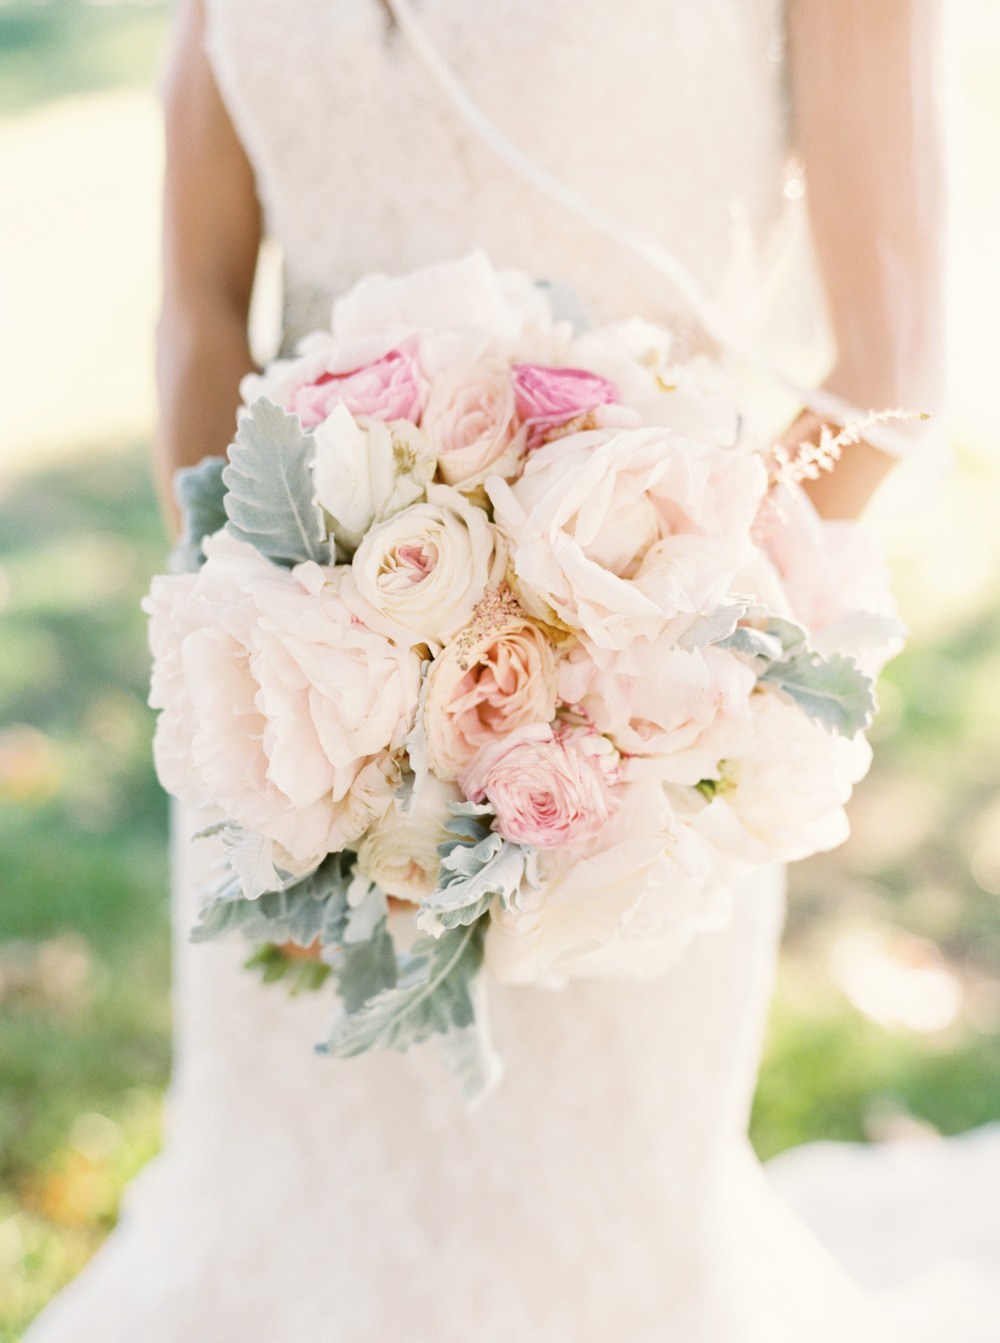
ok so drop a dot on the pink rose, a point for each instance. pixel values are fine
(472, 417)
(547, 787)
(391, 388)
(548, 398)
(278, 708)
(496, 675)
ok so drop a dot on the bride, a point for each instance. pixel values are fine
(606, 1191)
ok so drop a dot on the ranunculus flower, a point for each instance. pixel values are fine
(472, 418)
(278, 708)
(418, 576)
(546, 786)
(497, 674)
(624, 902)
(783, 797)
(617, 533)
(399, 852)
(366, 471)
(675, 716)
(391, 388)
(549, 397)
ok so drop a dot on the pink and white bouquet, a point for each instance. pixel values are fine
(498, 649)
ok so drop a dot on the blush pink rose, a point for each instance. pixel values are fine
(472, 417)
(391, 388)
(548, 787)
(498, 674)
(279, 709)
(548, 398)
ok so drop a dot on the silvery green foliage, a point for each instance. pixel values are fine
(833, 691)
(309, 908)
(251, 858)
(364, 962)
(477, 866)
(711, 627)
(270, 487)
(433, 995)
(469, 1054)
(200, 495)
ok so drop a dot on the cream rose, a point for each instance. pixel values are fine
(617, 533)
(496, 675)
(399, 853)
(417, 577)
(278, 708)
(471, 415)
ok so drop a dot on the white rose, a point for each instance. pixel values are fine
(471, 415)
(399, 853)
(417, 577)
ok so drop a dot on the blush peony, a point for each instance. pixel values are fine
(472, 417)
(277, 707)
(617, 533)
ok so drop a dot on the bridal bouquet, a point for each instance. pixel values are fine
(497, 648)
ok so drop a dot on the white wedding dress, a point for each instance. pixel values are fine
(605, 1193)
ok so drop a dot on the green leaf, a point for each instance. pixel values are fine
(833, 691)
(433, 996)
(469, 1054)
(269, 480)
(364, 969)
(313, 907)
(200, 495)
(475, 867)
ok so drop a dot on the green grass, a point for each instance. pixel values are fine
(50, 48)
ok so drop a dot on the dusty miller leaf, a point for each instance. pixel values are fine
(765, 636)
(433, 995)
(469, 1054)
(364, 969)
(270, 487)
(313, 907)
(832, 691)
(711, 627)
(476, 866)
(200, 495)
(407, 793)
(251, 858)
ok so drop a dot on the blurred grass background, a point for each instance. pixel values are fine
(887, 1019)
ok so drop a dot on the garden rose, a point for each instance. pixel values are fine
(546, 786)
(676, 717)
(496, 675)
(417, 577)
(278, 708)
(550, 397)
(627, 900)
(616, 533)
(391, 388)
(399, 852)
(365, 471)
(472, 417)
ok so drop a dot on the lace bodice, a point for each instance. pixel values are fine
(669, 115)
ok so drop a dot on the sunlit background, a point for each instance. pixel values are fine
(887, 1020)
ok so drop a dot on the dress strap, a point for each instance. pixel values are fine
(823, 403)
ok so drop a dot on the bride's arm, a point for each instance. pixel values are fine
(211, 234)
(865, 96)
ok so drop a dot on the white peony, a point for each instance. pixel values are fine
(399, 852)
(278, 708)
